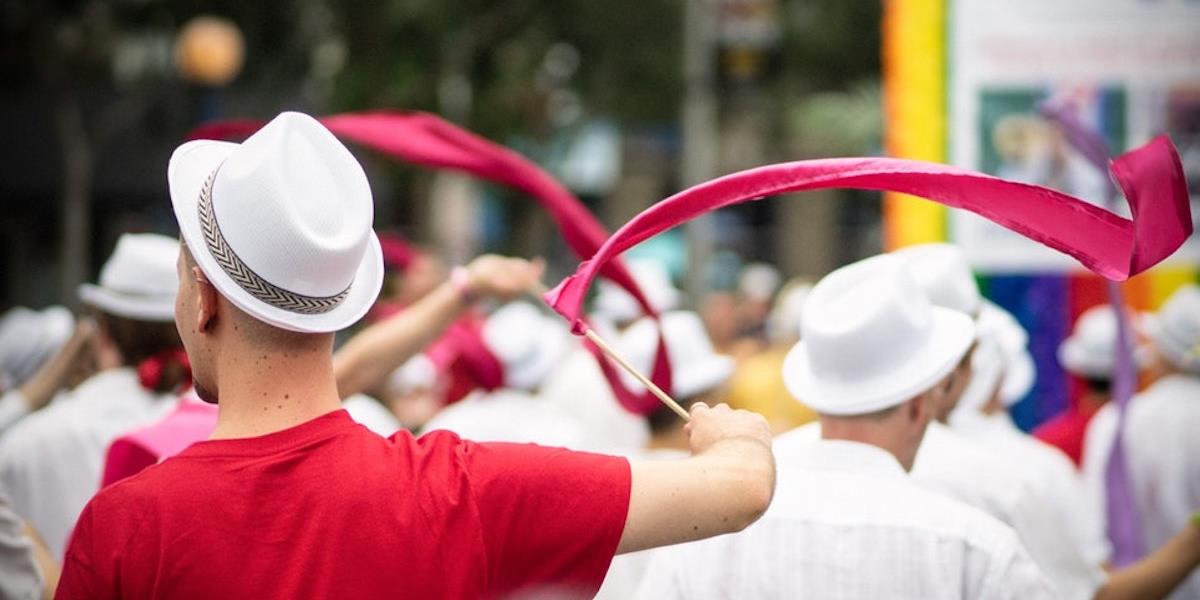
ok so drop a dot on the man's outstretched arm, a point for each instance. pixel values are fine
(723, 487)
(368, 357)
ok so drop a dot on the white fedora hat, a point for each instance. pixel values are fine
(942, 272)
(1090, 351)
(695, 366)
(281, 224)
(613, 302)
(1175, 328)
(139, 280)
(527, 342)
(871, 340)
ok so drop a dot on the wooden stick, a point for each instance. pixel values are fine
(654, 389)
(540, 291)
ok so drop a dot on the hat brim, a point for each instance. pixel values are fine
(552, 349)
(138, 308)
(952, 334)
(1019, 375)
(190, 165)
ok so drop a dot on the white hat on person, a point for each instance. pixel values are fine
(1019, 371)
(1090, 350)
(696, 367)
(281, 224)
(759, 281)
(870, 340)
(139, 280)
(28, 338)
(1175, 328)
(527, 342)
(942, 272)
(613, 302)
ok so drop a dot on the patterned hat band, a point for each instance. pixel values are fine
(244, 276)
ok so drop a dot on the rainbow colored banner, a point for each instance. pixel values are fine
(921, 100)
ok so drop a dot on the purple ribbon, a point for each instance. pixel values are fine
(1124, 520)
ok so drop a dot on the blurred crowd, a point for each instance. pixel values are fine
(886, 384)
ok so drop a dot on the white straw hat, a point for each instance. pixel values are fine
(1090, 349)
(942, 272)
(527, 342)
(871, 340)
(613, 302)
(281, 224)
(696, 367)
(139, 280)
(1175, 328)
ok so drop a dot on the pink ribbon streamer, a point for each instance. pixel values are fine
(425, 139)
(1112, 246)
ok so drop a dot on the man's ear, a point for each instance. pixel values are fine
(206, 304)
(920, 408)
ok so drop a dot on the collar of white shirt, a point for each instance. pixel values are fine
(842, 456)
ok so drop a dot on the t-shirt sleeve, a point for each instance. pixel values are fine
(551, 518)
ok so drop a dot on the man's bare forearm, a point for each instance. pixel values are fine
(1158, 574)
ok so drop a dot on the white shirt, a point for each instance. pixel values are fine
(847, 523)
(1047, 469)
(508, 415)
(1163, 451)
(20, 577)
(951, 464)
(369, 413)
(13, 407)
(51, 462)
(578, 389)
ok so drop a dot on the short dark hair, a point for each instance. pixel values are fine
(1098, 385)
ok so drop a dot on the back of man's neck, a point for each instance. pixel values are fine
(268, 392)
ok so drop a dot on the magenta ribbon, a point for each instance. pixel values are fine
(424, 139)
(1106, 243)
(1124, 526)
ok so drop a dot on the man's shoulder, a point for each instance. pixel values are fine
(896, 503)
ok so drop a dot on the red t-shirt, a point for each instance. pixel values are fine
(328, 509)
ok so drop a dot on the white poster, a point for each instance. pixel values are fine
(1131, 69)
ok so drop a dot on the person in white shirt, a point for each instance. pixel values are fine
(37, 358)
(52, 461)
(1046, 503)
(699, 375)
(1033, 501)
(874, 360)
(1161, 444)
(529, 344)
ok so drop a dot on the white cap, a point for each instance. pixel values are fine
(281, 224)
(696, 367)
(759, 281)
(28, 338)
(942, 272)
(784, 321)
(613, 302)
(1090, 351)
(139, 281)
(527, 342)
(870, 340)
(1175, 328)
(1018, 369)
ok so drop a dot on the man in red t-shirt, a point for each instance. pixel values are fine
(290, 498)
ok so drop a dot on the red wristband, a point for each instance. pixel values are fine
(460, 280)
